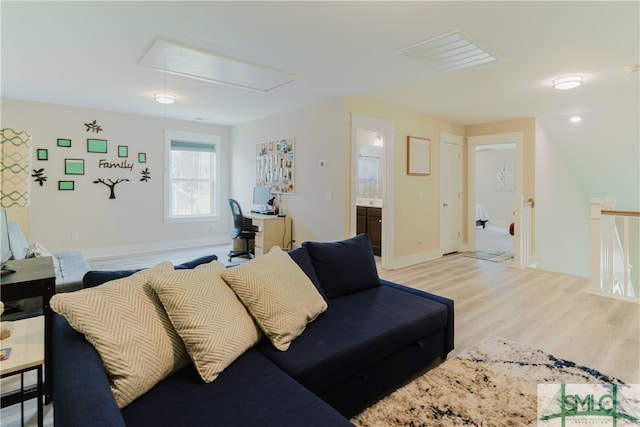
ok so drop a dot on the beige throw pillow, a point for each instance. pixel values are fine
(126, 323)
(278, 294)
(214, 325)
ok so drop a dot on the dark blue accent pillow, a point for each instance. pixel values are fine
(98, 277)
(301, 257)
(345, 266)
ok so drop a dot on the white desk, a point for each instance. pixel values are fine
(273, 231)
(27, 353)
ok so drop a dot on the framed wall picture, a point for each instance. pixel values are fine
(64, 142)
(142, 157)
(96, 145)
(74, 166)
(42, 154)
(123, 151)
(66, 185)
(418, 156)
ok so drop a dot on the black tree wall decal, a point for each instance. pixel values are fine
(39, 178)
(111, 184)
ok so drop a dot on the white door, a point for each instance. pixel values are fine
(450, 201)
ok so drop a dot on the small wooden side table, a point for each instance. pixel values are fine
(27, 354)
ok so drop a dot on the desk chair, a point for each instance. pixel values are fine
(240, 231)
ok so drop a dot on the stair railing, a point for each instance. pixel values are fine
(610, 254)
(523, 254)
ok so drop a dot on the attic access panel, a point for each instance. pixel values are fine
(180, 60)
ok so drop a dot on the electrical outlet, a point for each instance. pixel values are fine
(419, 239)
(328, 195)
(75, 236)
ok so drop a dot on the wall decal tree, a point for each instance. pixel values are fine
(93, 126)
(39, 178)
(111, 184)
(146, 175)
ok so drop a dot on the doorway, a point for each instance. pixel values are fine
(494, 179)
(372, 141)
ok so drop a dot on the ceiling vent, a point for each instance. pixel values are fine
(449, 52)
(180, 60)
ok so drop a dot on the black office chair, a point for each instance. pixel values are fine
(241, 231)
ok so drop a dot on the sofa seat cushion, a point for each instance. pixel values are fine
(356, 331)
(252, 391)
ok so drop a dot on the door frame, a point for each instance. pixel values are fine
(387, 128)
(449, 138)
(473, 142)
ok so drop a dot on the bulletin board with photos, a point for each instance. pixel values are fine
(275, 165)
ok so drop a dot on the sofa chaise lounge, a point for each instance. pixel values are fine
(372, 336)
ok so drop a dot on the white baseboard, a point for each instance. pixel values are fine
(98, 254)
(415, 259)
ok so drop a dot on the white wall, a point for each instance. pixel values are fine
(497, 201)
(132, 222)
(562, 229)
(319, 133)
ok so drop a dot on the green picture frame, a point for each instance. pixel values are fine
(64, 142)
(42, 154)
(66, 185)
(74, 166)
(96, 145)
(123, 151)
(142, 157)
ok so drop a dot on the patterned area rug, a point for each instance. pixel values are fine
(490, 256)
(492, 384)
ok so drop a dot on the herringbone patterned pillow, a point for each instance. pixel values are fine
(278, 294)
(214, 325)
(126, 323)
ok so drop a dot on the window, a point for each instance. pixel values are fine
(190, 191)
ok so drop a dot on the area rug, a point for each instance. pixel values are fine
(492, 384)
(490, 256)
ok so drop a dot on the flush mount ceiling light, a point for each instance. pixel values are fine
(568, 82)
(180, 60)
(575, 119)
(164, 98)
(449, 52)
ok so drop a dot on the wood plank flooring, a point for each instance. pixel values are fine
(536, 308)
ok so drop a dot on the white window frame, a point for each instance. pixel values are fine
(198, 138)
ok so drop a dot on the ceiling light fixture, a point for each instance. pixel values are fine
(568, 82)
(575, 119)
(164, 98)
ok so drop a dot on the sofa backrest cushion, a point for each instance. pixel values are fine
(97, 277)
(345, 266)
(301, 257)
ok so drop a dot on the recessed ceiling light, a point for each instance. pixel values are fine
(575, 119)
(164, 98)
(568, 82)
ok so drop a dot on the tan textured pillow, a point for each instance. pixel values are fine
(126, 323)
(278, 294)
(214, 325)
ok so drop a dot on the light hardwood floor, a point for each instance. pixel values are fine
(536, 308)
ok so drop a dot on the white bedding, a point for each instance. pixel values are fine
(481, 213)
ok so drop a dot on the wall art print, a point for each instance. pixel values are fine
(64, 142)
(111, 183)
(42, 154)
(66, 185)
(74, 166)
(275, 165)
(93, 127)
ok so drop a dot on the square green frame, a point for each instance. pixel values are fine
(123, 151)
(74, 166)
(66, 185)
(42, 154)
(96, 145)
(142, 157)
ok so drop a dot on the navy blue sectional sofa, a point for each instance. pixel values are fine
(374, 336)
